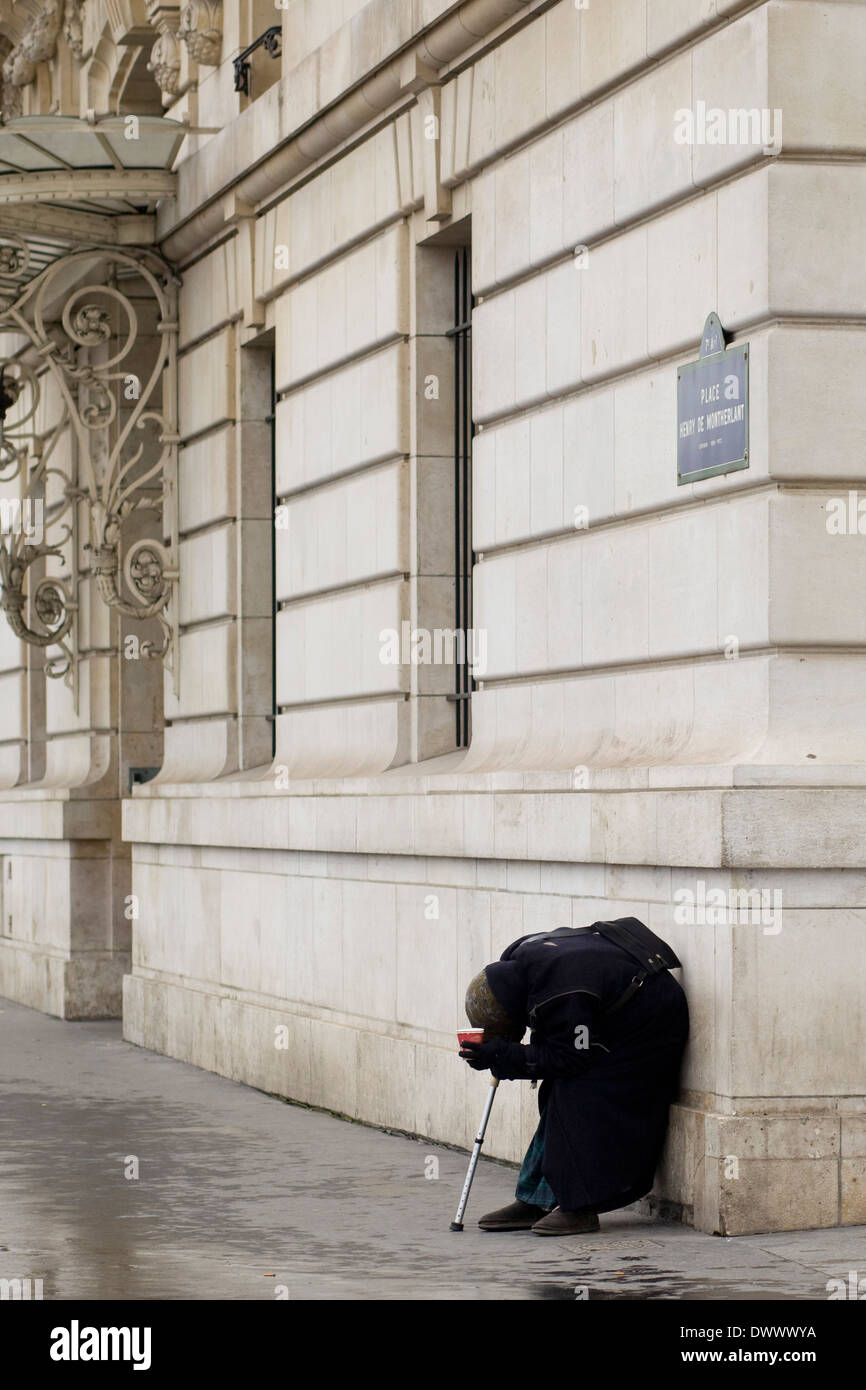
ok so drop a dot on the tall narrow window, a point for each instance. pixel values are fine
(272, 421)
(463, 432)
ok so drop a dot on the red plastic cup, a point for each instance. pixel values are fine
(475, 1035)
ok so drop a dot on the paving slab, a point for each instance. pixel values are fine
(125, 1175)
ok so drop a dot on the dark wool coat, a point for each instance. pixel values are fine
(608, 1082)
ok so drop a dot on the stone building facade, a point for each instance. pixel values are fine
(428, 280)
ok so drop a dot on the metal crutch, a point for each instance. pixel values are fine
(457, 1223)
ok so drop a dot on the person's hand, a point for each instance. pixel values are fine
(480, 1056)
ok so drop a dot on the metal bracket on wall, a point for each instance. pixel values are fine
(271, 41)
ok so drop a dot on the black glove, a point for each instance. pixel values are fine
(481, 1056)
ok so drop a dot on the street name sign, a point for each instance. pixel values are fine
(713, 408)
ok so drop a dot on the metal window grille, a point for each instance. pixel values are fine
(463, 432)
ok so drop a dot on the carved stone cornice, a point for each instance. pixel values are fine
(128, 21)
(37, 44)
(73, 30)
(201, 31)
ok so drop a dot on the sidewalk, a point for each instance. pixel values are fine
(239, 1195)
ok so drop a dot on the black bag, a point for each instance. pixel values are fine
(648, 950)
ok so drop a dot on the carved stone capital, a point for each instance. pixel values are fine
(201, 30)
(164, 60)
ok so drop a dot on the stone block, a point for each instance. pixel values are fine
(207, 575)
(207, 682)
(639, 413)
(743, 249)
(546, 508)
(768, 959)
(511, 194)
(350, 307)
(442, 1106)
(369, 950)
(817, 434)
(730, 70)
(650, 168)
(615, 585)
(334, 1066)
(512, 445)
(683, 585)
(253, 948)
(426, 957)
(612, 42)
(206, 480)
(668, 22)
(387, 1065)
(317, 924)
(208, 294)
(815, 59)
(495, 612)
(562, 27)
(853, 1187)
(531, 343)
(564, 605)
(206, 384)
(681, 271)
(816, 265)
(614, 306)
(340, 638)
(563, 287)
(342, 535)
(810, 601)
(545, 197)
(588, 175)
(520, 71)
(494, 356)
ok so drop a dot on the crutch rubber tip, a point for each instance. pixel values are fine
(457, 1225)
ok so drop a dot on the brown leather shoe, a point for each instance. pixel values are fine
(518, 1216)
(567, 1223)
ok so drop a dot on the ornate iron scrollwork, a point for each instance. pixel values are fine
(124, 426)
(271, 41)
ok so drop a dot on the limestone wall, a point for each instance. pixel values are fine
(644, 640)
(673, 688)
(575, 361)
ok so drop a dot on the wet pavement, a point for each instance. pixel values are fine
(241, 1196)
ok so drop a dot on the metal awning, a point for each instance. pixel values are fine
(67, 182)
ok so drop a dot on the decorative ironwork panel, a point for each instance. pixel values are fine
(122, 421)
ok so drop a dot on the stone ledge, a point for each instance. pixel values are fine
(708, 828)
(31, 815)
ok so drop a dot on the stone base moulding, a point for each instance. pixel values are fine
(64, 886)
(744, 1174)
(78, 987)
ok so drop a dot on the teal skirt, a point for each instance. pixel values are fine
(532, 1185)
